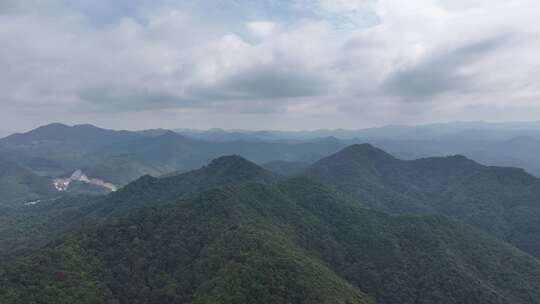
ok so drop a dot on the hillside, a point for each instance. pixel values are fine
(56, 148)
(81, 135)
(19, 185)
(292, 242)
(502, 201)
(33, 226)
(152, 191)
(121, 169)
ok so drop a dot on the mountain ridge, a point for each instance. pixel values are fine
(502, 201)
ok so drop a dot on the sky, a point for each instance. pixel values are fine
(267, 64)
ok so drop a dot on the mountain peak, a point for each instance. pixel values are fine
(351, 162)
(54, 125)
(45, 129)
(231, 162)
(168, 134)
(364, 151)
(82, 135)
(228, 159)
(86, 126)
(237, 167)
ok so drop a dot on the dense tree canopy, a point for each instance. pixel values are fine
(291, 242)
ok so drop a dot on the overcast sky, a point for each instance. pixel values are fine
(267, 64)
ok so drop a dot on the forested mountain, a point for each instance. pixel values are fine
(19, 185)
(233, 232)
(502, 201)
(28, 228)
(497, 144)
(151, 191)
(291, 242)
(120, 157)
(171, 151)
(58, 148)
(78, 135)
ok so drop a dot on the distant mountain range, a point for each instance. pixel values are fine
(232, 232)
(120, 157)
(441, 131)
(502, 144)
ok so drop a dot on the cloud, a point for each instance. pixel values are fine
(343, 63)
(261, 28)
(443, 72)
(265, 82)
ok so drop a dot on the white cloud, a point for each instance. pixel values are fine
(261, 28)
(340, 6)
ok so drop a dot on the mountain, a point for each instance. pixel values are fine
(152, 191)
(120, 157)
(171, 147)
(164, 153)
(220, 135)
(465, 130)
(33, 226)
(121, 169)
(503, 201)
(513, 144)
(172, 152)
(19, 185)
(515, 152)
(83, 135)
(57, 148)
(291, 242)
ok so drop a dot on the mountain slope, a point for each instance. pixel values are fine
(294, 242)
(121, 169)
(19, 185)
(82, 135)
(152, 191)
(122, 156)
(502, 201)
(33, 226)
(57, 148)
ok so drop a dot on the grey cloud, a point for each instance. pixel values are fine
(98, 58)
(266, 82)
(246, 91)
(116, 99)
(440, 74)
